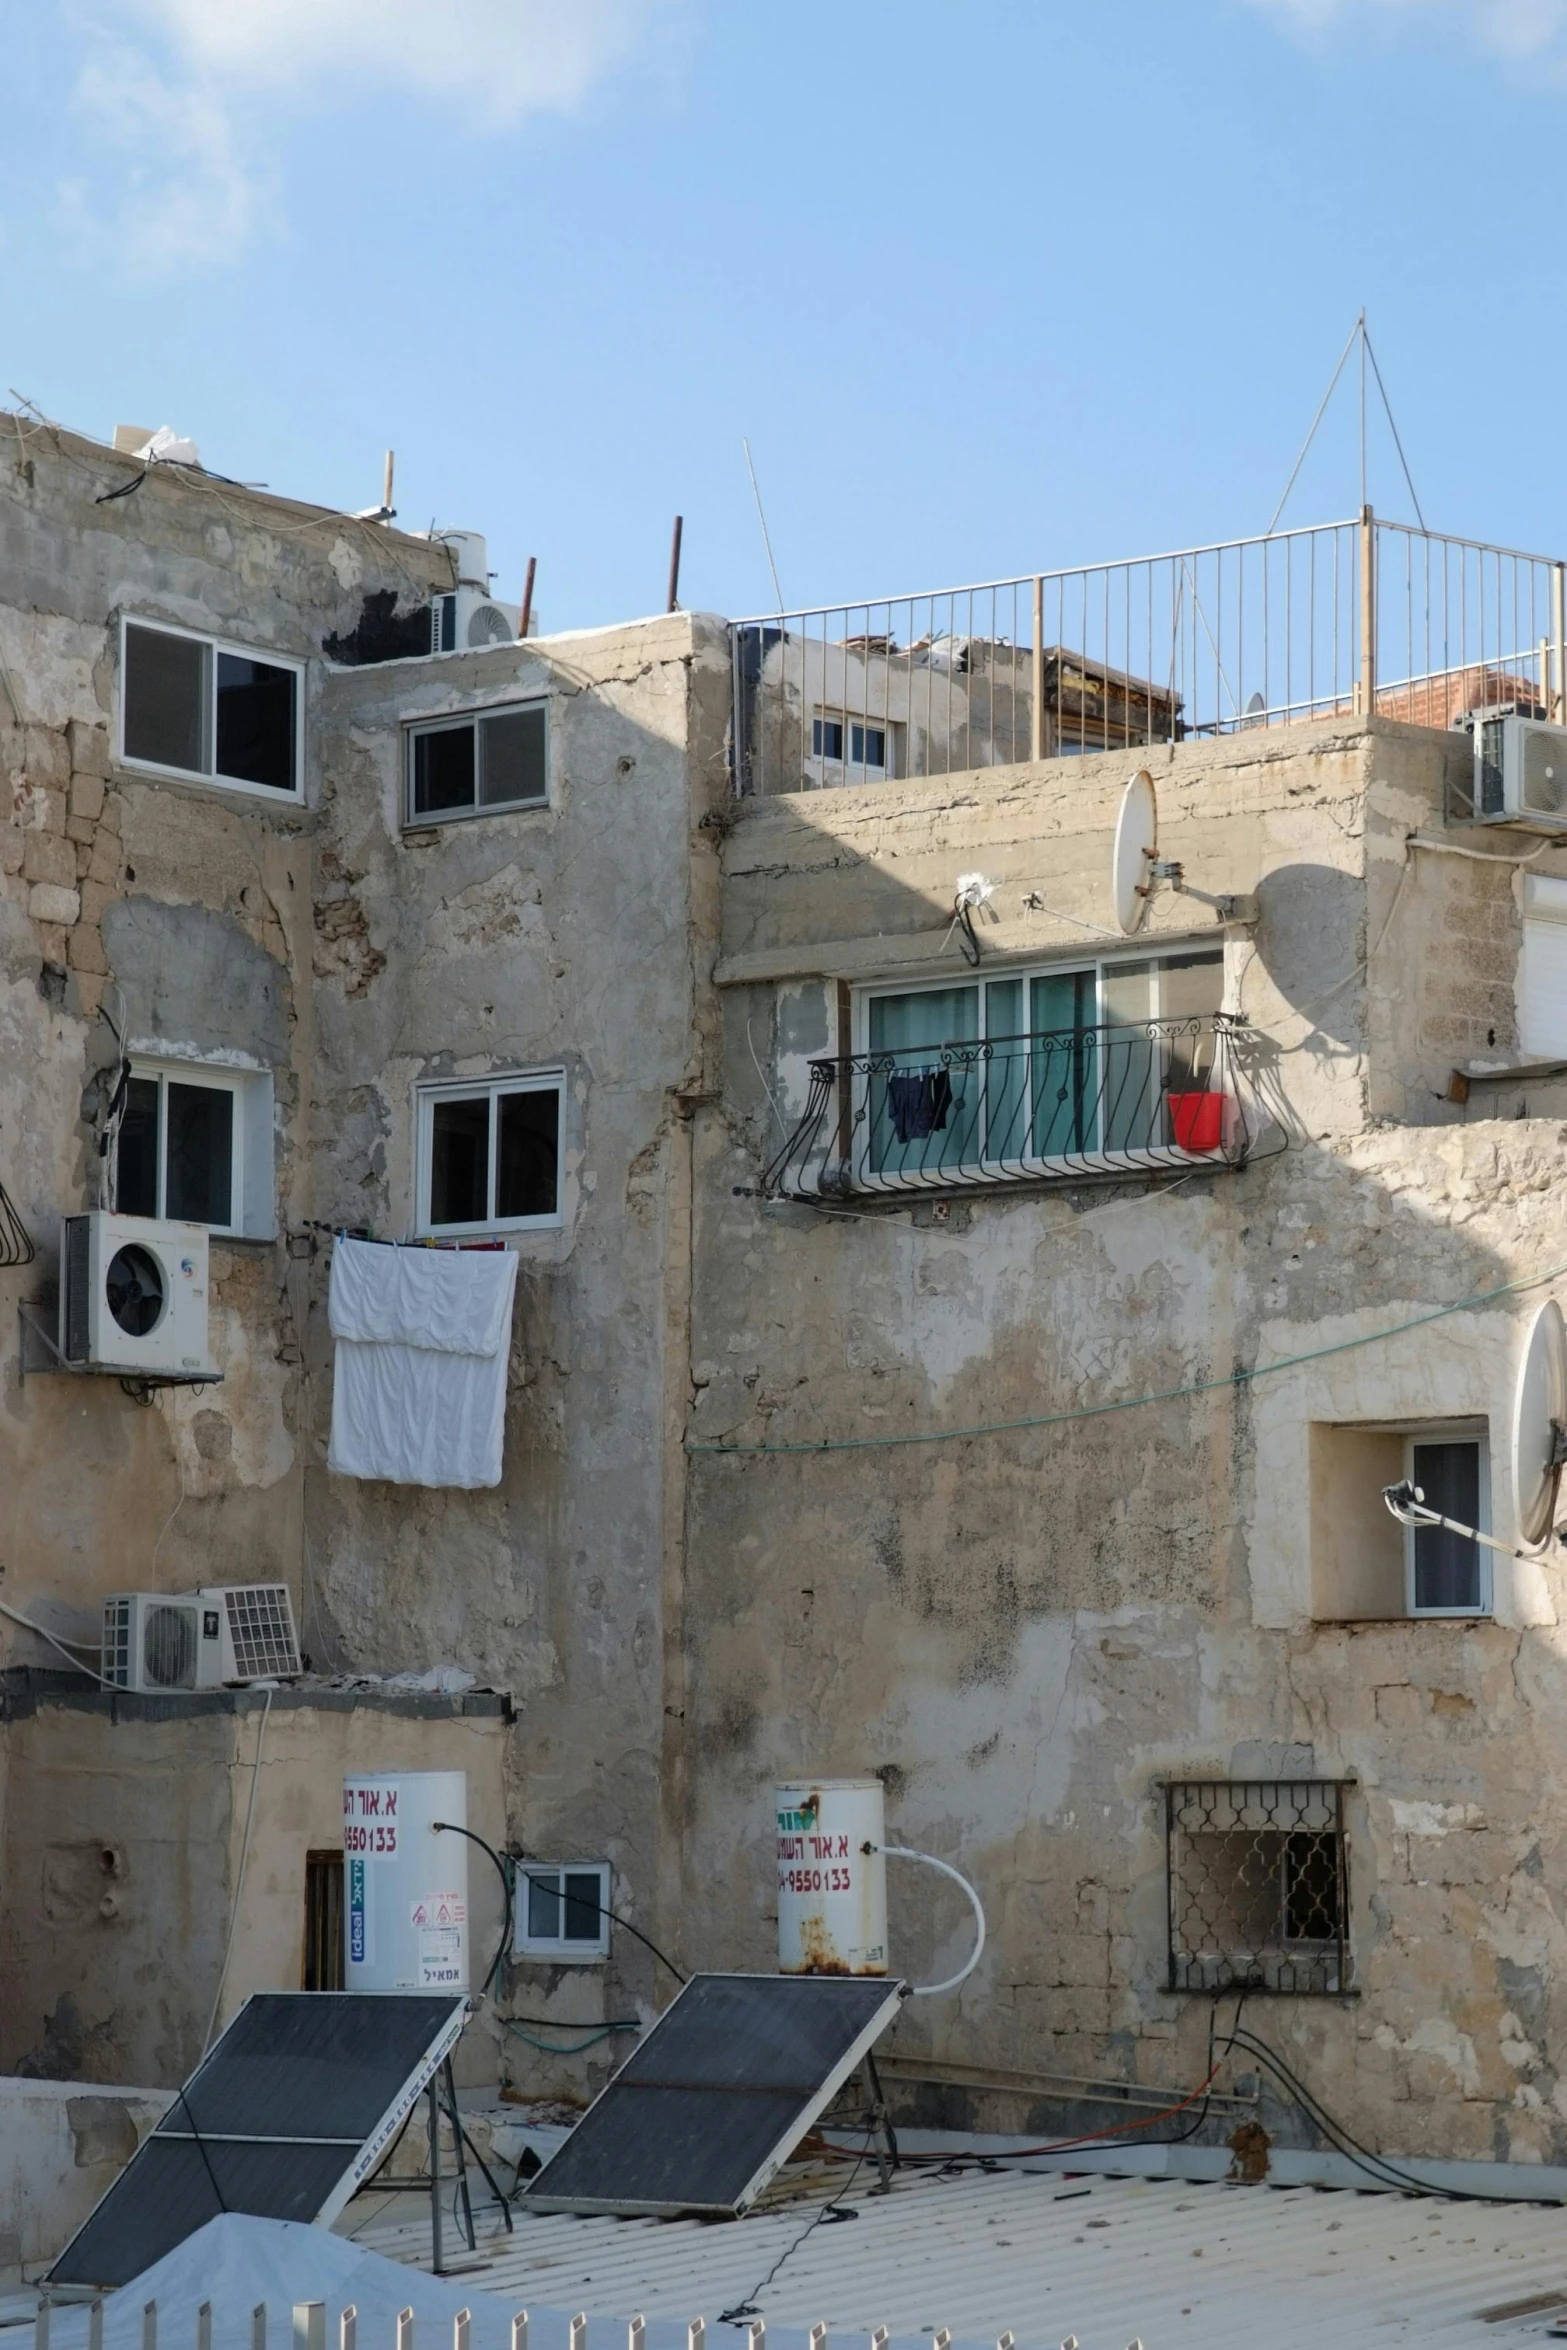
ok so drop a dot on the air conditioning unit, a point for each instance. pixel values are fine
(133, 1295)
(1520, 772)
(153, 1641)
(206, 1639)
(466, 618)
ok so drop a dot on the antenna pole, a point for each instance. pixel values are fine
(762, 519)
(386, 480)
(674, 566)
(1360, 329)
(1311, 436)
(525, 621)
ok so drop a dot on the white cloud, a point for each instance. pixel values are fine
(505, 58)
(1521, 29)
(177, 95)
(182, 194)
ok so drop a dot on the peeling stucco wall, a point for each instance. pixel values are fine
(1025, 1633)
(180, 913)
(563, 937)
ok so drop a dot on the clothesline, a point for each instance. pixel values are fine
(368, 1239)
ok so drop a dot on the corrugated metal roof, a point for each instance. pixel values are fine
(1179, 2266)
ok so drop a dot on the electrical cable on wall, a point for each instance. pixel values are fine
(239, 1876)
(1244, 1375)
(64, 1646)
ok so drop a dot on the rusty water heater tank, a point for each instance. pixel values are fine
(832, 1892)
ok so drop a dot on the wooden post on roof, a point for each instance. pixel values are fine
(1036, 715)
(1366, 681)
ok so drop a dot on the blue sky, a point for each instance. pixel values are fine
(991, 286)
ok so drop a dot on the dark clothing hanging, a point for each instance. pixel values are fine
(918, 1101)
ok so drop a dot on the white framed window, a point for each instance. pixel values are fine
(193, 705)
(478, 763)
(1036, 1068)
(562, 1910)
(865, 745)
(490, 1155)
(1445, 1574)
(194, 1144)
(1542, 967)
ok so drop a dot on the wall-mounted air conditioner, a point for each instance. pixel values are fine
(155, 1641)
(1520, 772)
(133, 1295)
(207, 1639)
(465, 618)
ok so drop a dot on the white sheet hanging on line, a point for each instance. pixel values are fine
(419, 1370)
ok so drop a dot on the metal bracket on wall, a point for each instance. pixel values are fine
(138, 1385)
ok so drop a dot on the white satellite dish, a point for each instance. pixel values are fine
(1539, 1418)
(1539, 1446)
(1136, 846)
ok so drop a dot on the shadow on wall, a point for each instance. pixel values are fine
(1311, 923)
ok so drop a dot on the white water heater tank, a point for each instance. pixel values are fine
(832, 1892)
(405, 1885)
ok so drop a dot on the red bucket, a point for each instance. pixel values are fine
(1197, 1120)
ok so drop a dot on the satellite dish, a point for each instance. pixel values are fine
(1539, 1417)
(1132, 858)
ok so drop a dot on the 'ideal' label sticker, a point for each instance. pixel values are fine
(361, 1915)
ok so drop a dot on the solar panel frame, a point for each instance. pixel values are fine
(234, 2140)
(723, 2104)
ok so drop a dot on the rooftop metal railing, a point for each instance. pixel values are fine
(1124, 1099)
(306, 2326)
(1336, 618)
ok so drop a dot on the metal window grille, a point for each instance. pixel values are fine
(323, 1963)
(1259, 1886)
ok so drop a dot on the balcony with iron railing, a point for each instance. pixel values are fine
(1348, 619)
(1131, 1098)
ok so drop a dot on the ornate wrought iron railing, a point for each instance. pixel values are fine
(1133, 1097)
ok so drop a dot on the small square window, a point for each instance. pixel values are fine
(1258, 1886)
(562, 1911)
(196, 1146)
(1365, 1564)
(492, 760)
(827, 738)
(489, 1155)
(193, 706)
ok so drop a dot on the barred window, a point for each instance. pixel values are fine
(1259, 1887)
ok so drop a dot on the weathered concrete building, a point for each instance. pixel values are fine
(956, 1339)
